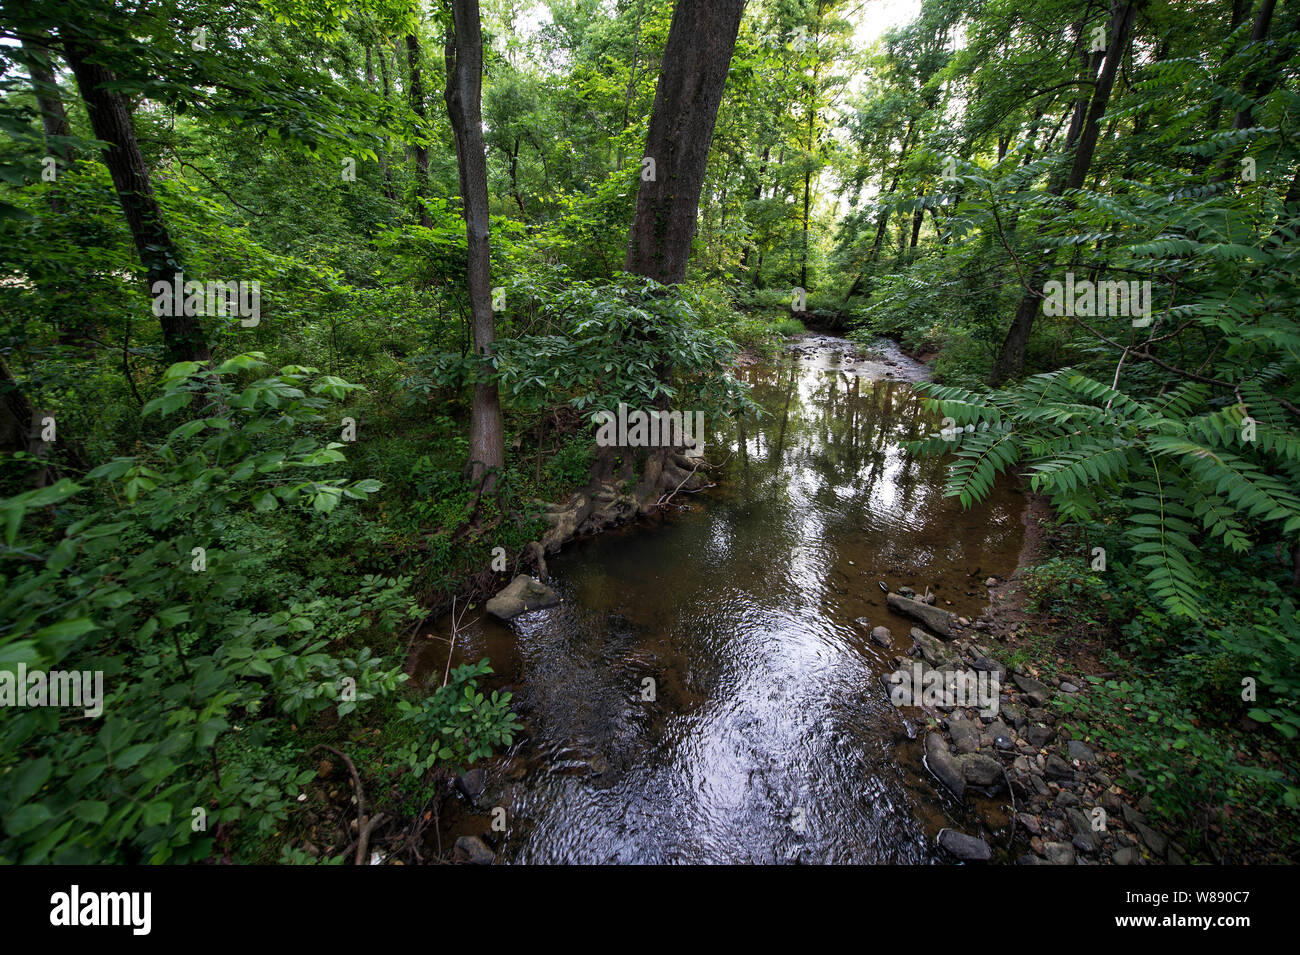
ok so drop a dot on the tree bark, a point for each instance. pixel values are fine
(54, 119)
(370, 82)
(695, 63)
(415, 93)
(464, 107)
(110, 119)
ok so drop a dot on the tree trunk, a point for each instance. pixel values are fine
(1011, 361)
(54, 119)
(370, 82)
(464, 107)
(695, 64)
(415, 92)
(110, 119)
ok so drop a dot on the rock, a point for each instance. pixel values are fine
(1039, 735)
(934, 619)
(1132, 816)
(1029, 823)
(475, 850)
(997, 728)
(1084, 837)
(991, 582)
(863, 622)
(1068, 687)
(907, 592)
(1076, 750)
(980, 770)
(1126, 856)
(1058, 768)
(1058, 853)
(965, 737)
(882, 637)
(985, 665)
(1037, 692)
(1156, 842)
(471, 784)
(932, 650)
(522, 594)
(964, 847)
(1004, 743)
(1039, 785)
(940, 762)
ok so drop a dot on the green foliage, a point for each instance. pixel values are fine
(459, 724)
(1169, 475)
(151, 594)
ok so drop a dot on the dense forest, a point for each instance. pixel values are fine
(310, 311)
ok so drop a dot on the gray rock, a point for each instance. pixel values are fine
(522, 594)
(1084, 837)
(471, 784)
(980, 770)
(965, 737)
(934, 619)
(1057, 768)
(475, 850)
(997, 728)
(1156, 842)
(1058, 853)
(1126, 856)
(1029, 823)
(1037, 692)
(882, 637)
(943, 765)
(1076, 750)
(932, 650)
(964, 847)
(1068, 687)
(1039, 735)
(1132, 816)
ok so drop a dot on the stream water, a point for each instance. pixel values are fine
(770, 737)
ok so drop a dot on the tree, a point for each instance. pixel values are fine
(1087, 126)
(110, 118)
(700, 43)
(463, 94)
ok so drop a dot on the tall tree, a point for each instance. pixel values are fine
(415, 91)
(1087, 126)
(695, 63)
(110, 118)
(464, 54)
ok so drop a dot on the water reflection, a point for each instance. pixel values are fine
(769, 738)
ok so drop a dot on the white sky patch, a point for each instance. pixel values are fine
(876, 17)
